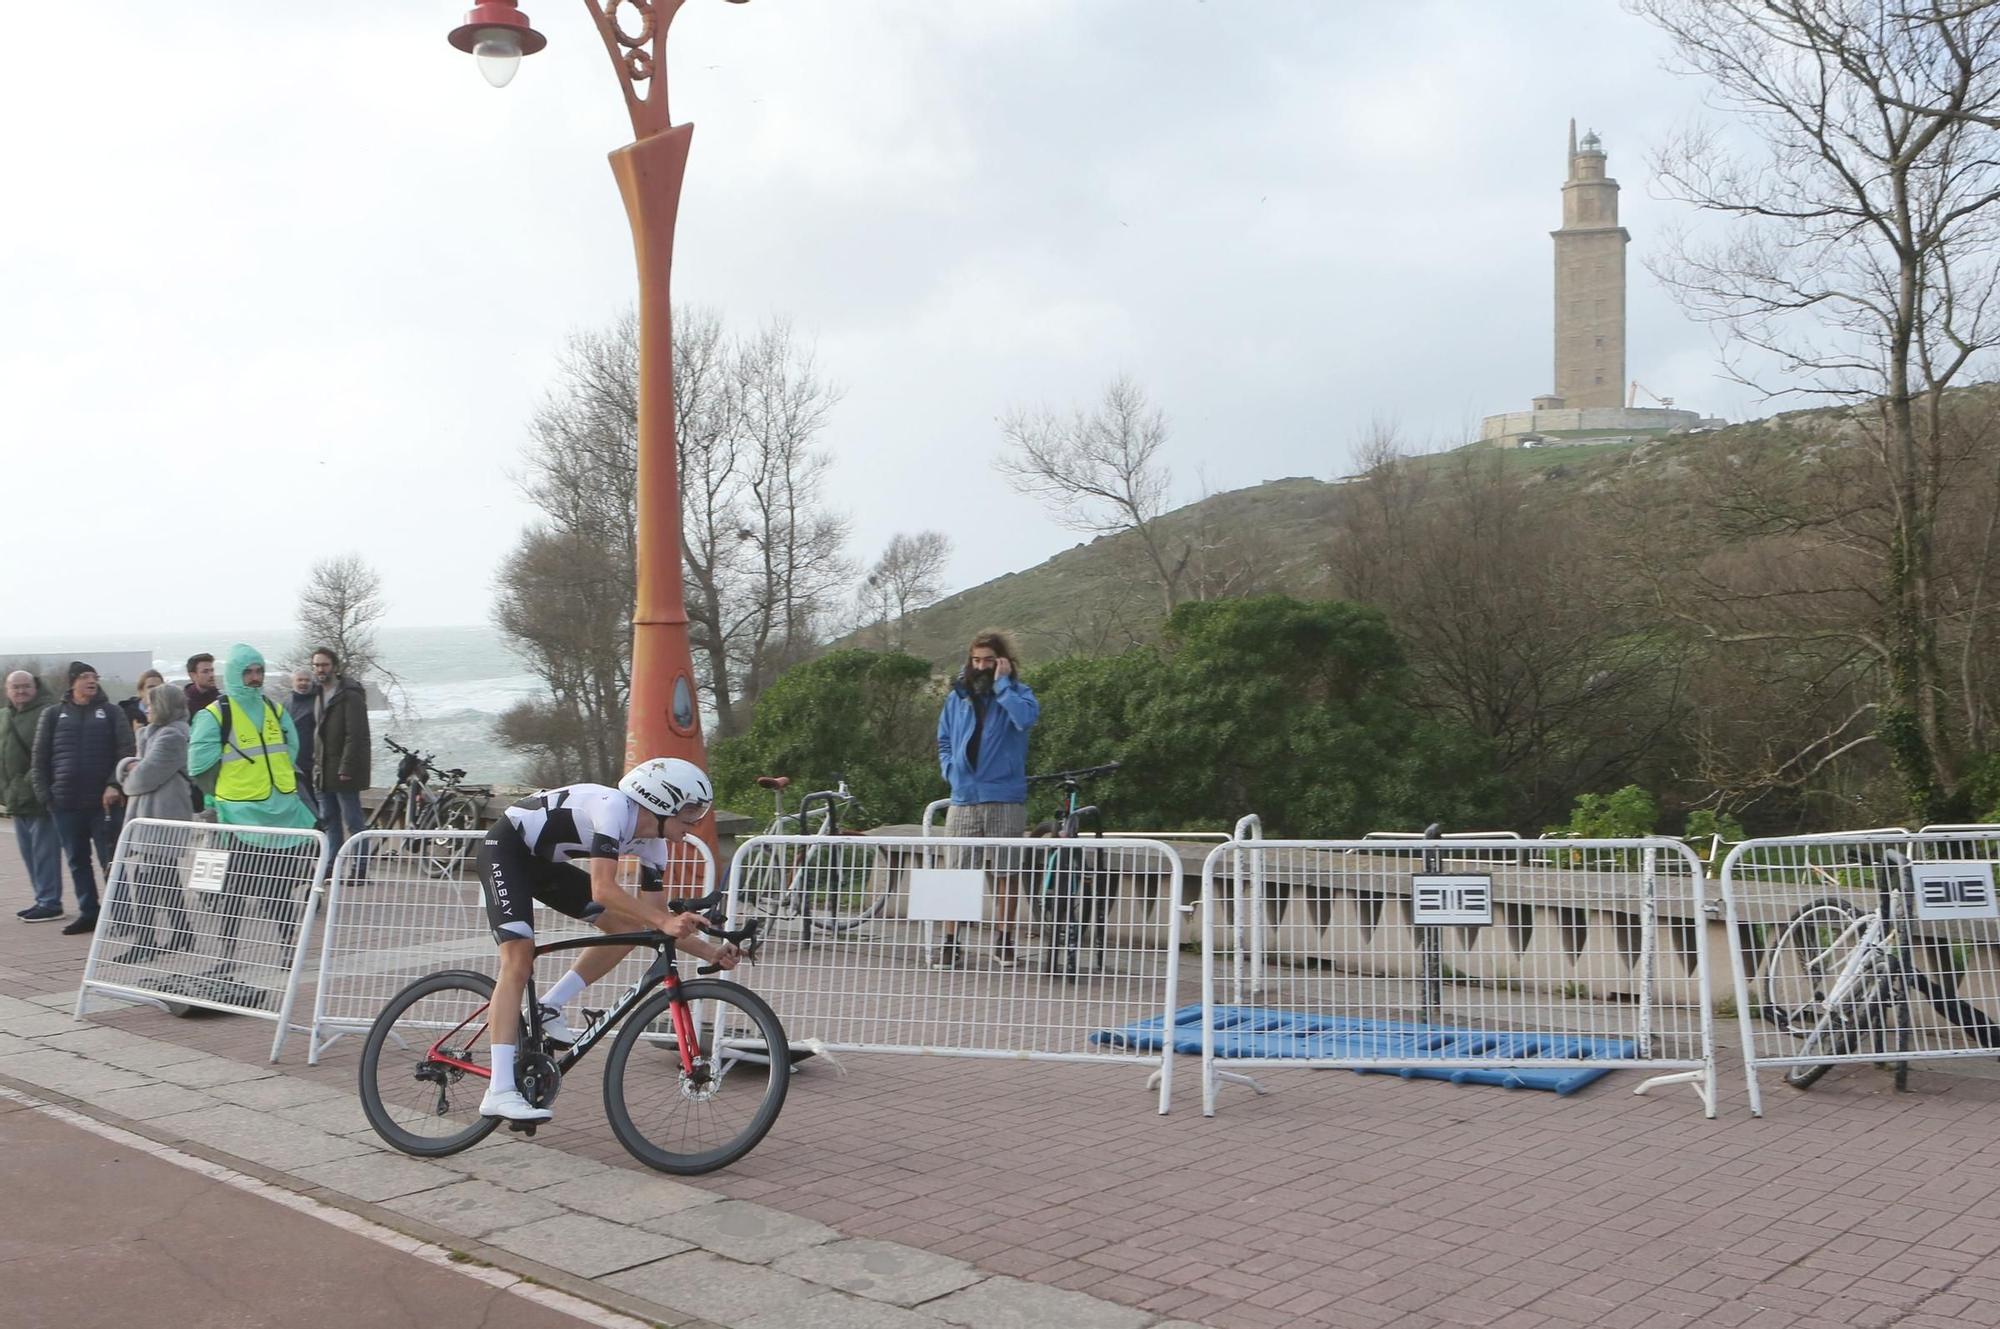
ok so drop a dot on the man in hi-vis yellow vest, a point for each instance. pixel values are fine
(245, 744)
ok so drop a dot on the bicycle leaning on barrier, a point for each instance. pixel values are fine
(426, 1063)
(415, 803)
(1073, 898)
(1839, 978)
(827, 885)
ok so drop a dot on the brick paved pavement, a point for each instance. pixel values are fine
(1336, 1200)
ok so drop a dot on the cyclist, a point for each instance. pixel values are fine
(562, 847)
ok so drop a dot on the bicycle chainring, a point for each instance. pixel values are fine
(536, 1076)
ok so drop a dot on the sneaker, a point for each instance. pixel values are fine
(947, 955)
(1003, 951)
(144, 953)
(556, 1029)
(81, 924)
(508, 1103)
(40, 913)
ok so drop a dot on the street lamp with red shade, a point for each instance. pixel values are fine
(662, 718)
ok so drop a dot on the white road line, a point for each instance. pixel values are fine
(563, 1302)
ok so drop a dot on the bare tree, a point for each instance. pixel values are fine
(762, 556)
(1501, 609)
(1100, 472)
(908, 576)
(338, 608)
(1860, 256)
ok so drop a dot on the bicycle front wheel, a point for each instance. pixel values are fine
(1799, 973)
(415, 1085)
(444, 855)
(693, 1120)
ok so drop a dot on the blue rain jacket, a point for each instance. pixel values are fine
(1002, 773)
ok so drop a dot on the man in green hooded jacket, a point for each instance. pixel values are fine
(246, 742)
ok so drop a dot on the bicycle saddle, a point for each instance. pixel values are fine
(774, 781)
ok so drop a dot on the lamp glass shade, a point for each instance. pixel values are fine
(498, 51)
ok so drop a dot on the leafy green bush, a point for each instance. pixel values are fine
(1626, 814)
(1292, 709)
(868, 715)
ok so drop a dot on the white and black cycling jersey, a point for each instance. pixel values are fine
(579, 821)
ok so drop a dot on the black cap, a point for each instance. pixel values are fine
(77, 669)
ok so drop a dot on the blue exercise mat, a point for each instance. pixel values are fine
(1256, 1031)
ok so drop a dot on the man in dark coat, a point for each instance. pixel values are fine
(342, 758)
(304, 706)
(201, 690)
(34, 828)
(78, 745)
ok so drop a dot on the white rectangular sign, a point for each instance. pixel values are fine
(948, 895)
(1465, 899)
(211, 866)
(1954, 890)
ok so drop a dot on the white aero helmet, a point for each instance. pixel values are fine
(668, 784)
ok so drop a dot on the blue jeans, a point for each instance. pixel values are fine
(78, 831)
(340, 816)
(41, 850)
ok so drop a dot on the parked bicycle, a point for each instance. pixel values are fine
(427, 1060)
(415, 803)
(1072, 898)
(828, 886)
(1839, 978)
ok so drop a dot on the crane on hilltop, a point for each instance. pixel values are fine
(1632, 398)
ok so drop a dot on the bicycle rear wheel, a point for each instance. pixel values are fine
(694, 1122)
(420, 1103)
(840, 888)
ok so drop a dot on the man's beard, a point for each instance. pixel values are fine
(979, 682)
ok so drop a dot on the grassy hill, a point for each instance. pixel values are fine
(1100, 595)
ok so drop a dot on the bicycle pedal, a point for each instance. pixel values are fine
(524, 1127)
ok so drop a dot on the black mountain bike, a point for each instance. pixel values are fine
(427, 1061)
(1072, 900)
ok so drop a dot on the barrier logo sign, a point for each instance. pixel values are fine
(210, 867)
(1465, 899)
(1954, 890)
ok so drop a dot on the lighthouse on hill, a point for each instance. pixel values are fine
(1590, 402)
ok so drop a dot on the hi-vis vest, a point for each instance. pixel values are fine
(252, 764)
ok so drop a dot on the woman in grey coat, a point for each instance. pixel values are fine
(157, 784)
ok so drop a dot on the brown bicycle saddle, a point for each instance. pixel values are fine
(774, 781)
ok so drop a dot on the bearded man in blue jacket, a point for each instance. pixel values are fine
(982, 740)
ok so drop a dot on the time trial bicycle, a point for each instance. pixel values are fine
(427, 1061)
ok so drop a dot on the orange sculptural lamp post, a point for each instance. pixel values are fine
(662, 717)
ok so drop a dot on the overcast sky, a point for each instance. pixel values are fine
(301, 257)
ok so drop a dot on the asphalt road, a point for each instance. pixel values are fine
(97, 1233)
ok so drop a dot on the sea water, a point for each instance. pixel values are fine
(452, 684)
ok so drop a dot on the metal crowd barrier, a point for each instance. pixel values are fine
(1863, 947)
(1443, 957)
(857, 939)
(403, 904)
(198, 914)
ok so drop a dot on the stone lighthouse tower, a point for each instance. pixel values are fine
(1590, 283)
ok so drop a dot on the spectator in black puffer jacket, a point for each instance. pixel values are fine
(78, 745)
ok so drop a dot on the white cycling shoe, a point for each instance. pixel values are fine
(508, 1103)
(556, 1029)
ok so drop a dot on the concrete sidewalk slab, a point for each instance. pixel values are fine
(586, 1246)
(880, 1271)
